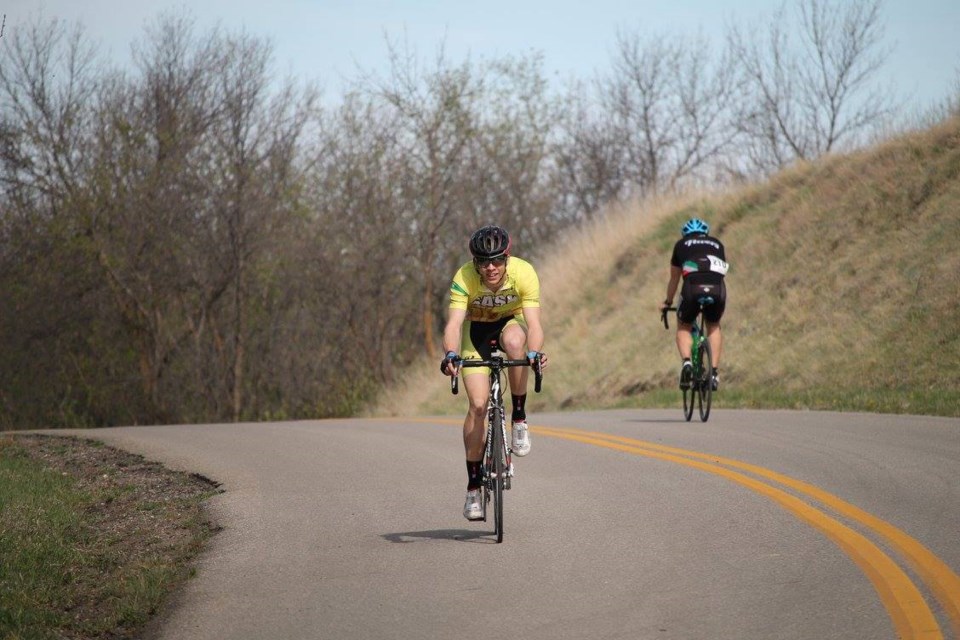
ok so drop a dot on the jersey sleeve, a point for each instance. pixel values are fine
(675, 256)
(528, 285)
(459, 291)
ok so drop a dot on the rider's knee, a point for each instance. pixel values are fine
(513, 342)
(478, 410)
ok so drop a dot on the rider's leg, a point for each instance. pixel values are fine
(716, 342)
(513, 339)
(478, 391)
(685, 347)
(684, 340)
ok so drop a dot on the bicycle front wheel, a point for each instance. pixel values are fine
(704, 380)
(498, 470)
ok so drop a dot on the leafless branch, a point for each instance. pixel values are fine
(809, 87)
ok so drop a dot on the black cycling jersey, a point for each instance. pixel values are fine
(700, 257)
(702, 261)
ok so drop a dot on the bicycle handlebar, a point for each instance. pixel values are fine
(498, 363)
(663, 316)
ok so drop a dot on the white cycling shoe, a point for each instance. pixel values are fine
(472, 510)
(520, 444)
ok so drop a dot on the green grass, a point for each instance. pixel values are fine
(42, 535)
(71, 566)
(906, 401)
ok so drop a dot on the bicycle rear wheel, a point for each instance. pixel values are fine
(704, 380)
(498, 470)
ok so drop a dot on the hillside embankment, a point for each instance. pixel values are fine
(843, 293)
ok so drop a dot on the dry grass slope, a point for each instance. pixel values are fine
(844, 293)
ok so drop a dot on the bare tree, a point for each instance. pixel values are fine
(436, 117)
(588, 156)
(947, 107)
(363, 250)
(52, 319)
(47, 84)
(148, 195)
(804, 97)
(507, 177)
(253, 169)
(195, 178)
(665, 115)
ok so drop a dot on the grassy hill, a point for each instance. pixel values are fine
(843, 293)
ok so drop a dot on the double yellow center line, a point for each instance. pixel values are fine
(911, 616)
(909, 612)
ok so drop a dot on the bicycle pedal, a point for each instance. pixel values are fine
(510, 470)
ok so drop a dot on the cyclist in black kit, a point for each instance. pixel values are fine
(700, 259)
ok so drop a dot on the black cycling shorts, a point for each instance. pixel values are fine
(475, 341)
(690, 300)
(482, 334)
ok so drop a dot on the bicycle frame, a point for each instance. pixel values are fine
(494, 409)
(701, 389)
(698, 336)
(497, 467)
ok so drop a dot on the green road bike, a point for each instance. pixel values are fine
(497, 464)
(699, 391)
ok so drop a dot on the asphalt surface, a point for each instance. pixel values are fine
(620, 524)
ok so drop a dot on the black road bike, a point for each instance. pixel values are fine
(700, 388)
(497, 465)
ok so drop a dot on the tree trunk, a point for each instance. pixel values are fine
(428, 319)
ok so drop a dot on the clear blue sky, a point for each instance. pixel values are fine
(324, 39)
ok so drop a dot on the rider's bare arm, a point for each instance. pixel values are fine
(675, 274)
(451, 339)
(451, 333)
(534, 332)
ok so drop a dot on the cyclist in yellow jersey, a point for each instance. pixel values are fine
(495, 295)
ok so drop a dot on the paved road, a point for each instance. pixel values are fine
(621, 524)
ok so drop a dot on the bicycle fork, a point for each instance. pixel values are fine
(496, 402)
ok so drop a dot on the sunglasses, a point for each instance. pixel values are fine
(497, 261)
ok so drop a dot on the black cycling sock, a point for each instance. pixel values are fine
(474, 475)
(519, 413)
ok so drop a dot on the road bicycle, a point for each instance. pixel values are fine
(497, 465)
(700, 389)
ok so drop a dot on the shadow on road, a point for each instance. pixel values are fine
(457, 535)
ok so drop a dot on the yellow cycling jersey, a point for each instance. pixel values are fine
(521, 288)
